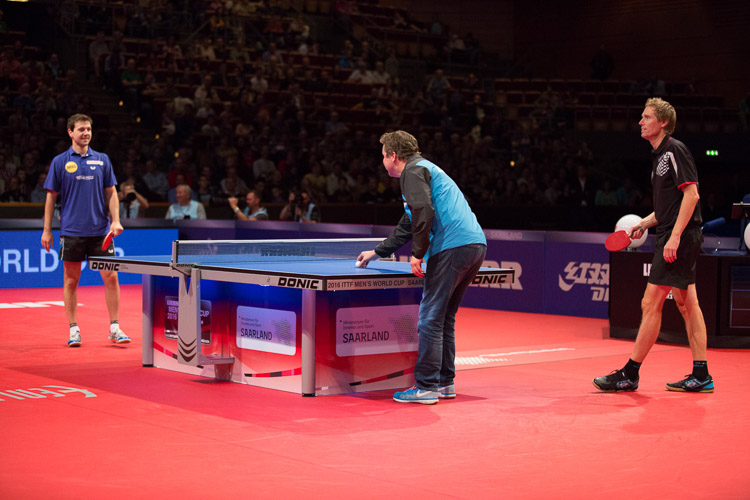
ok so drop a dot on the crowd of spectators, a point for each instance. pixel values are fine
(235, 114)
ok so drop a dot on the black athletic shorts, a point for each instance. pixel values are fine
(79, 248)
(681, 272)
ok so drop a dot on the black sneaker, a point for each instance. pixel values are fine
(616, 381)
(692, 384)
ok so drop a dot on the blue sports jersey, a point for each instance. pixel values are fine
(80, 182)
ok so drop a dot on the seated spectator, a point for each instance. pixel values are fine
(54, 66)
(361, 74)
(205, 192)
(155, 181)
(131, 81)
(371, 193)
(38, 194)
(229, 189)
(233, 178)
(98, 50)
(606, 196)
(316, 180)
(253, 210)
(205, 50)
(334, 126)
(343, 193)
(298, 31)
(370, 101)
(132, 203)
(179, 168)
(300, 208)
(205, 93)
(13, 192)
(259, 83)
(264, 166)
(347, 60)
(185, 208)
(172, 193)
(438, 86)
(272, 52)
(379, 76)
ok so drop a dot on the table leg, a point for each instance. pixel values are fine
(147, 320)
(308, 342)
(188, 320)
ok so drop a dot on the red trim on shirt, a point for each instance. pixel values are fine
(685, 184)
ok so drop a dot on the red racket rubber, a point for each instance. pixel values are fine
(107, 241)
(617, 241)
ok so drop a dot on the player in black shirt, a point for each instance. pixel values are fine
(677, 217)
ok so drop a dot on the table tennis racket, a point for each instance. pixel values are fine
(617, 241)
(107, 240)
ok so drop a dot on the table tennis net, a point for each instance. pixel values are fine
(226, 251)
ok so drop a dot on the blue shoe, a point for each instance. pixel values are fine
(119, 337)
(616, 381)
(416, 395)
(692, 384)
(446, 391)
(75, 339)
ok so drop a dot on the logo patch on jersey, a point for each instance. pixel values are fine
(664, 163)
(71, 167)
(94, 162)
(92, 168)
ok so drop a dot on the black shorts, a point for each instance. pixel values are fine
(681, 272)
(79, 248)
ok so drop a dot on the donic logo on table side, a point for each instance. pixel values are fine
(591, 274)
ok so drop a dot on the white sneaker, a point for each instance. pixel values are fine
(75, 339)
(119, 337)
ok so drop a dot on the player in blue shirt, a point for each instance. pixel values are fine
(445, 233)
(84, 182)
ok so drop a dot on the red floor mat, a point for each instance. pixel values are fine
(529, 424)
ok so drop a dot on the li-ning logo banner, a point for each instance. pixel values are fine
(664, 163)
(593, 274)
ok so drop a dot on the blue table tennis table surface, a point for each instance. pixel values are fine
(314, 267)
(308, 272)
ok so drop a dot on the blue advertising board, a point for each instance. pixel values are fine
(25, 264)
(522, 251)
(577, 274)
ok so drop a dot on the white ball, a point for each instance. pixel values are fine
(358, 263)
(747, 236)
(625, 223)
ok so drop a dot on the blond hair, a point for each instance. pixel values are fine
(664, 112)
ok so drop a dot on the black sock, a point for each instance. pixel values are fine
(631, 369)
(700, 370)
(73, 324)
(115, 322)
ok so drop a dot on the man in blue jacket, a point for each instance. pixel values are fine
(444, 233)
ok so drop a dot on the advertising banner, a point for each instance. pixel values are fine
(25, 264)
(577, 270)
(522, 251)
(376, 330)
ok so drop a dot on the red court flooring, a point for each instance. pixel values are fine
(527, 422)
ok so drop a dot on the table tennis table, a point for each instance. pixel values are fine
(238, 277)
